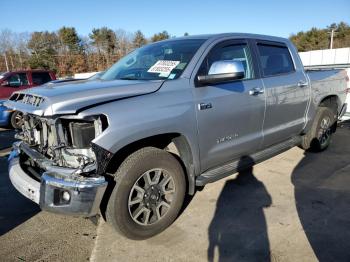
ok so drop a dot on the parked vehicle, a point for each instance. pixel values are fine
(167, 118)
(14, 81)
(59, 81)
(70, 79)
(347, 113)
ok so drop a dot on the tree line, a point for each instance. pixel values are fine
(316, 39)
(66, 52)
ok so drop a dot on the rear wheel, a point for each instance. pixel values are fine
(319, 136)
(148, 195)
(17, 119)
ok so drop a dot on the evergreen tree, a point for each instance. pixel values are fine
(139, 39)
(44, 46)
(315, 38)
(160, 36)
(104, 39)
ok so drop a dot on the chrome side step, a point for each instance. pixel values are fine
(228, 169)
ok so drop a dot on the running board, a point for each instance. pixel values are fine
(217, 173)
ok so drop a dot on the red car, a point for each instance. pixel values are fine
(17, 80)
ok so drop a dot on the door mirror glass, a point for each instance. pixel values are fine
(223, 71)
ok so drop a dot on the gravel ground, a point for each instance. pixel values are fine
(293, 207)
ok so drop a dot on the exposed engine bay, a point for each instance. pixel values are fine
(66, 140)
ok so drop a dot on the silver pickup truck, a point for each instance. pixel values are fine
(168, 118)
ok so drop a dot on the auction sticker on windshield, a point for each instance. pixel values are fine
(163, 67)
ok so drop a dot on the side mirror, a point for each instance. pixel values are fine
(222, 71)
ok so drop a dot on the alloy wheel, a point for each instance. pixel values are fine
(151, 196)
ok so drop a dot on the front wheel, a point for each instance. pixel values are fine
(16, 119)
(148, 195)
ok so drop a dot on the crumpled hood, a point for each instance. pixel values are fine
(68, 98)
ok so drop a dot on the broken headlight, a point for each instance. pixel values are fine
(82, 133)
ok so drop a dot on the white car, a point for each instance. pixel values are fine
(347, 114)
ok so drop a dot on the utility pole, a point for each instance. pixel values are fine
(332, 35)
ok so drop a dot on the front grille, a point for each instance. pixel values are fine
(29, 99)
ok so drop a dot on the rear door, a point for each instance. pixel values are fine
(231, 124)
(287, 92)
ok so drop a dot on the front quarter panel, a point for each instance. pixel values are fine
(169, 110)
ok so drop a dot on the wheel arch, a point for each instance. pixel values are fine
(331, 101)
(175, 143)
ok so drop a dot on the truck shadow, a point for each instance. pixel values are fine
(238, 230)
(14, 208)
(322, 196)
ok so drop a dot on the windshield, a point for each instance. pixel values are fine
(162, 60)
(2, 74)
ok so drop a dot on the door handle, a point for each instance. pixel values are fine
(302, 84)
(256, 91)
(204, 106)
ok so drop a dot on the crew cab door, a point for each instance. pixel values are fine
(287, 92)
(12, 83)
(230, 115)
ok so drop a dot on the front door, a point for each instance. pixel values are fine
(230, 116)
(15, 82)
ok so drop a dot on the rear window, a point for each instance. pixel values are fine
(275, 59)
(40, 78)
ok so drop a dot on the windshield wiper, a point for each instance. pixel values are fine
(128, 78)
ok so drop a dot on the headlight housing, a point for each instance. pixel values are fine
(82, 133)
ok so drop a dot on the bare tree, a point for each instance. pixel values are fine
(6, 37)
(124, 42)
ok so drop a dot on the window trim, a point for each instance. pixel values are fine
(227, 42)
(273, 44)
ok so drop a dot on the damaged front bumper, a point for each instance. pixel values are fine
(59, 189)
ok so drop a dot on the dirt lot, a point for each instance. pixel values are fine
(294, 207)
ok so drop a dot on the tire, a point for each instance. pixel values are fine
(319, 136)
(16, 120)
(122, 210)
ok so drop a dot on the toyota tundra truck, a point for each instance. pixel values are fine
(166, 119)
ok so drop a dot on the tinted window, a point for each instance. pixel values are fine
(19, 79)
(40, 78)
(275, 60)
(234, 52)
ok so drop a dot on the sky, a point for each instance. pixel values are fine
(272, 17)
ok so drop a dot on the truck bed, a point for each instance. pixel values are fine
(328, 81)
